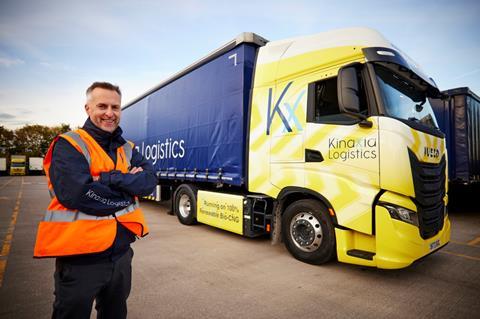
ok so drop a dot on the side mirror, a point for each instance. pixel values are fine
(348, 90)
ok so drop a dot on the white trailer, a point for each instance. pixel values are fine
(35, 165)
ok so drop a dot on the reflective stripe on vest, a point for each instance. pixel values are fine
(127, 148)
(71, 216)
(76, 137)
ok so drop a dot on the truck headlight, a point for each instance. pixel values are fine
(401, 213)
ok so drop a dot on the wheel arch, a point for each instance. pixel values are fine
(291, 194)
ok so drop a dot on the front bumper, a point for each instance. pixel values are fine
(395, 244)
(399, 244)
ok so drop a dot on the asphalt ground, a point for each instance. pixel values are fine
(201, 272)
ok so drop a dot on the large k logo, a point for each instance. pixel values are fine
(290, 109)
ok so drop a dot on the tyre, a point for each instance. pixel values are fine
(186, 204)
(308, 232)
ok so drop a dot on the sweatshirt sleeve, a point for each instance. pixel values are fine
(74, 185)
(139, 184)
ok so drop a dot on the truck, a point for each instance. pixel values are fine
(18, 164)
(35, 165)
(458, 115)
(326, 142)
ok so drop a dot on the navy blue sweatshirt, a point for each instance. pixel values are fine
(72, 181)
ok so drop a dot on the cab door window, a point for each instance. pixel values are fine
(322, 105)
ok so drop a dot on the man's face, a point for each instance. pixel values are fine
(103, 108)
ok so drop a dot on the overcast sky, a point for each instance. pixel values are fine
(51, 51)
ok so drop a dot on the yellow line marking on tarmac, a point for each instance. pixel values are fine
(3, 265)
(8, 182)
(459, 255)
(474, 242)
(7, 242)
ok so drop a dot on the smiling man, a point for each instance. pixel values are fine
(94, 176)
(103, 107)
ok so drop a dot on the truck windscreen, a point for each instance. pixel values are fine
(402, 99)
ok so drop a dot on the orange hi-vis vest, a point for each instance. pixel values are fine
(66, 232)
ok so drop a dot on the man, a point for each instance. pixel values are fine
(94, 176)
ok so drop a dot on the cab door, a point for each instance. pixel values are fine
(342, 157)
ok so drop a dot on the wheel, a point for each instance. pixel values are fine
(308, 232)
(186, 204)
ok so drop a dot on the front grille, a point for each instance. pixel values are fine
(429, 183)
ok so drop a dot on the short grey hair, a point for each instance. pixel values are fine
(102, 85)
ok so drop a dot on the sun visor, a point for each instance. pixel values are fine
(390, 55)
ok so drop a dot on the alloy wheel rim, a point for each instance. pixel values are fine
(184, 206)
(306, 232)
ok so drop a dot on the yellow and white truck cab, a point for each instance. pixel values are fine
(344, 119)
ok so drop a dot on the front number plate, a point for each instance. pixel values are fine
(435, 244)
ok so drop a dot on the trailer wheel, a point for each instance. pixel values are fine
(308, 232)
(186, 204)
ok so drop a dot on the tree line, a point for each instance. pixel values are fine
(30, 140)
